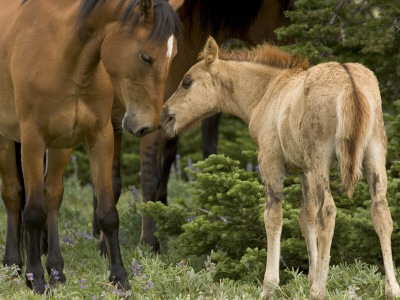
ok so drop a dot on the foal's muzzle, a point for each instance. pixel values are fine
(167, 122)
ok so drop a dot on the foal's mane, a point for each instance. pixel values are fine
(166, 21)
(266, 54)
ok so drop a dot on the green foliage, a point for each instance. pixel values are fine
(226, 219)
(365, 31)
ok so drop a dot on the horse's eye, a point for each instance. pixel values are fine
(187, 81)
(146, 58)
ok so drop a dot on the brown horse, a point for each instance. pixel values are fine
(62, 62)
(301, 118)
(252, 22)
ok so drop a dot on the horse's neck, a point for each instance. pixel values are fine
(246, 84)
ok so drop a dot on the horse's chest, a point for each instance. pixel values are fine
(69, 126)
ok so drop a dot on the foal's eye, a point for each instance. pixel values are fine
(187, 82)
(146, 58)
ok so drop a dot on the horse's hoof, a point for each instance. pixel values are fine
(37, 284)
(120, 280)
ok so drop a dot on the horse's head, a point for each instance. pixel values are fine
(137, 54)
(197, 97)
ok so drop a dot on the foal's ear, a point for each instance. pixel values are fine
(146, 11)
(210, 52)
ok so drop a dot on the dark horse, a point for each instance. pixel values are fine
(62, 64)
(252, 22)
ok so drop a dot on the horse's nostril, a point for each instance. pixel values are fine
(142, 131)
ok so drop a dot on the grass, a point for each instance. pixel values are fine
(164, 276)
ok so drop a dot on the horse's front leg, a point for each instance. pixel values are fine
(116, 184)
(53, 193)
(33, 149)
(273, 175)
(100, 148)
(12, 194)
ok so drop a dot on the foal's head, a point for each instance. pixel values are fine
(137, 51)
(198, 96)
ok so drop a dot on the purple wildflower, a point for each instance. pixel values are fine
(189, 163)
(257, 168)
(55, 274)
(135, 268)
(115, 292)
(249, 167)
(83, 282)
(29, 276)
(85, 235)
(68, 240)
(189, 219)
(181, 264)
(94, 297)
(135, 194)
(149, 285)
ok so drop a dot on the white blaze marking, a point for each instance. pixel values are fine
(170, 47)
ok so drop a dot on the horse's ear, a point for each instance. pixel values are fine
(146, 11)
(210, 52)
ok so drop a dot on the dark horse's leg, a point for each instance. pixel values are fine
(149, 182)
(12, 193)
(116, 184)
(209, 132)
(53, 192)
(100, 149)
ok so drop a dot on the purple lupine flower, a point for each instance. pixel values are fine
(189, 219)
(55, 274)
(181, 264)
(189, 163)
(257, 168)
(135, 268)
(249, 167)
(136, 194)
(29, 276)
(85, 235)
(83, 282)
(68, 240)
(149, 285)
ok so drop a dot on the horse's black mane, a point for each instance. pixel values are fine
(166, 20)
(233, 16)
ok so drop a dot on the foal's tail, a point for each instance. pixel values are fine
(355, 119)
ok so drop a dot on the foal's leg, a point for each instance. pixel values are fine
(116, 184)
(53, 193)
(33, 150)
(374, 165)
(12, 194)
(273, 175)
(325, 224)
(307, 215)
(100, 147)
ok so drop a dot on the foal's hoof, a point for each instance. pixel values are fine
(392, 292)
(317, 295)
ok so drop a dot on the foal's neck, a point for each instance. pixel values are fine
(246, 84)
